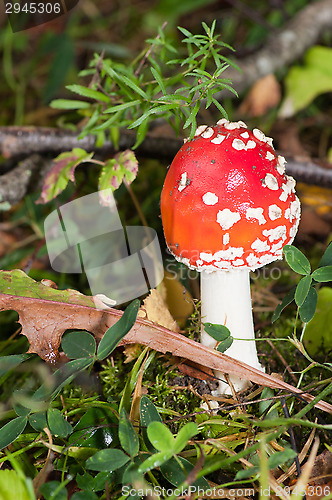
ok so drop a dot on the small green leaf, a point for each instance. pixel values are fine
(60, 378)
(114, 334)
(302, 290)
(217, 332)
(128, 436)
(280, 457)
(38, 420)
(107, 460)
(87, 92)
(11, 431)
(318, 333)
(296, 260)
(123, 166)
(53, 490)
(8, 363)
(308, 308)
(326, 259)
(323, 274)
(148, 414)
(176, 474)
(161, 437)
(80, 344)
(225, 344)
(69, 104)
(62, 171)
(154, 461)
(187, 432)
(57, 424)
(122, 107)
(246, 473)
(84, 495)
(289, 297)
(159, 80)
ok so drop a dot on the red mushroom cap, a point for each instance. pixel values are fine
(226, 201)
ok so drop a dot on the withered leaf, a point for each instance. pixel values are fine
(45, 313)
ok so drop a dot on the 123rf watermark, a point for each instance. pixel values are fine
(26, 14)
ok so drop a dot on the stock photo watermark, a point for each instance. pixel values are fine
(26, 14)
(120, 263)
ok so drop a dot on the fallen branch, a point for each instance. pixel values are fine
(36, 141)
(44, 321)
(283, 47)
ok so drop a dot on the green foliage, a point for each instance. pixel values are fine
(221, 334)
(13, 485)
(305, 293)
(54, 419)
(305, 83)
(318, 333)
(155, 85)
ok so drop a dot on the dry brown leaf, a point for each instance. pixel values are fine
(157, 311)
(178, 299)
(264, 95)
(44, 321)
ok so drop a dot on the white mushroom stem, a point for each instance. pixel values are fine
(226, 300)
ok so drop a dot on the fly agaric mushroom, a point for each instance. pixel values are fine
(227, 209)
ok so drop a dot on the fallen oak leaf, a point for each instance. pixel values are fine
(46, 313)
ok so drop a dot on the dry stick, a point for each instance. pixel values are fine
(145, 58)
(283, 47)
(291, 435)
(282, 359)
(18, 141)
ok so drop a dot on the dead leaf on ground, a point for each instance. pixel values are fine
(46, 313)
(264, 95)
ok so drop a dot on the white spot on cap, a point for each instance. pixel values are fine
(259, 135)
(218, 139)
(238, 262)
(295, 209)
(275, 233)
(250, 145)
(183, 182)
(252, 260)
(232, 125)
(230, 254)
(269, 156)
(269, 141)
(222, 121)
(200, 129)
(245, 135)
(207, 257)
(287, 213)
(223, 264)
(238, 144)
(281, 165)
(208, 132)
(271, 182)
(277, 246)
(227, 219)
(275, 212)
(260, 246)
(225, 239)
(293, 230)
(210, 198)
(288, 187)
(266, 259)
(256, 213)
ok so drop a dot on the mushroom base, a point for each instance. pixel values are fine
(226, 300)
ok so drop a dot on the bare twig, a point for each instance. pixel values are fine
(283, 47)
